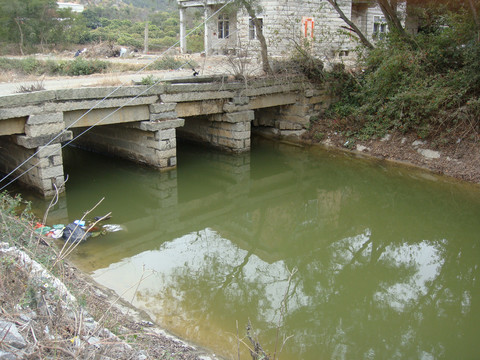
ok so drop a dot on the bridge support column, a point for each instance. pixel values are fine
(231, 131)
(43, 167)
(146, 142)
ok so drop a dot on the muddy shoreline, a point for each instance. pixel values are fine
(460, 161)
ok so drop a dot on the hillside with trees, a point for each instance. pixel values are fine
(39, 25)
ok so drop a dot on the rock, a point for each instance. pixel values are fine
(404, 140)
(387, 137)
(142, 355)
(362, 148)
(7, 356)
(429, 154)
(94, 341)
(418, 143)
(10, 335)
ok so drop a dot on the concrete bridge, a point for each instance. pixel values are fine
(141, 123)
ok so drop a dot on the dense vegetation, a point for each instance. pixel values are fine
(429, 83)
(33, 25)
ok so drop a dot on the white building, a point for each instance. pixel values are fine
(286, 24)
(75, 7)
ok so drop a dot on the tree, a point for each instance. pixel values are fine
(352, 25)
(29, 21)
(389, 10)
(252, 8)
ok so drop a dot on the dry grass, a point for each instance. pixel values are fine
(60, 324)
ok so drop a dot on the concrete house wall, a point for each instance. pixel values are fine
(312, 24)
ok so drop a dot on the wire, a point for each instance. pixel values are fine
(98, 103)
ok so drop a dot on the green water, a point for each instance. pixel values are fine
(387, 257)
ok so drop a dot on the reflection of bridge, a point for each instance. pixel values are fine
(140, 122)
(235, 197)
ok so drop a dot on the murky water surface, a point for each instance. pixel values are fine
(387, 258)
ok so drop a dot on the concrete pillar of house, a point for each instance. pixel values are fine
(207, 37)
(183, 31)
(152, 142)
(37, 154)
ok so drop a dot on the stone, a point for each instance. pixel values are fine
(17, 112)
(7, 356)
(10, 335)
(196, 96)
(163, 116)
(429, 154)
(103, 92)
(45, 118)
(27, 98)
(241, 116)
(387, 137)
(161, 107)
(105, 103)
(34, 142)
(94, 341)
(417, 143)
(44, 129)
(362, 148)
(158, 125)
(241, 100)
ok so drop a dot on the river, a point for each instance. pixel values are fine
(328, 255)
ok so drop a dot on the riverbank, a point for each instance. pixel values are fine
(457, 159)
(50, 309)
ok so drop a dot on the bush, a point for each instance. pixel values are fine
(428, 88)
(81, 66)
(166, 63)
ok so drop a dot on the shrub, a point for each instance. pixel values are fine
(428, 88)
(81, 66)
(167, 63)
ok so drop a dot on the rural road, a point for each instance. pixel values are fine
(10, 84)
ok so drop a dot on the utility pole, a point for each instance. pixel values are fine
(145, 42)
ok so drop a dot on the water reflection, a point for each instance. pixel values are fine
(388, 261)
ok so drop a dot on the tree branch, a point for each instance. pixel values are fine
(352, 25)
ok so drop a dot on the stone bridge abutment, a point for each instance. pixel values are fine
(140, 123)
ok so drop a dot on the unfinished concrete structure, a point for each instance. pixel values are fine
(307, 23)
(140, 123)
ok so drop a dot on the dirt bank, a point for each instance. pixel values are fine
(61, 313)
(459, 159)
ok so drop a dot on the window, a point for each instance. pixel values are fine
(379, 27)
(223, 27)
(252, 30)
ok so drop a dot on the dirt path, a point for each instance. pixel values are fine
(11, 83)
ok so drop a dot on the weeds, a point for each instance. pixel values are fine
(32, 66)
(148, 80)
(166, 63)
(37, 86)
(53, 323)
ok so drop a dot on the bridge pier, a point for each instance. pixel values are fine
(151, 142)
(227, 131)
(40, 152)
